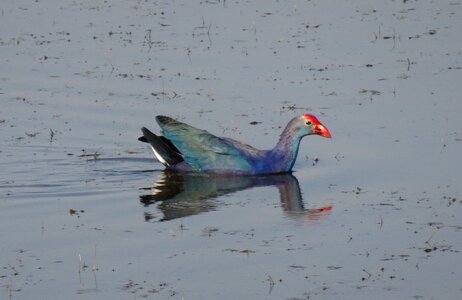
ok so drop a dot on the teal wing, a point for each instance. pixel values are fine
(202, 150)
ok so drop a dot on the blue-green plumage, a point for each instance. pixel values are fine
(185, 148)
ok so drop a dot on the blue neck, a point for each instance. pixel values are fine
(284, 154)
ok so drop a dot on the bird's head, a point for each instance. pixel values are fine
(313, 126)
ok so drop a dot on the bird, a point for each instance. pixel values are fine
(184, 148)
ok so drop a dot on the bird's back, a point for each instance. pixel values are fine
(204, 151)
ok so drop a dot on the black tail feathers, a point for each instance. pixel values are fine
(163, 148)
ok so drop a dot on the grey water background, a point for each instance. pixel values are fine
(77, 215)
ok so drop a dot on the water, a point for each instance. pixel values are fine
(78, 212)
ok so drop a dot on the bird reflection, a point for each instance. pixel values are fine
(180, 195)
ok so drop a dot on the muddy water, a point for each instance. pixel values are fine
(86, 212)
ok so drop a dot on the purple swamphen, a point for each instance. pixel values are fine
(184, 148)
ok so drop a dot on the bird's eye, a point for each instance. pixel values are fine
(309, 123)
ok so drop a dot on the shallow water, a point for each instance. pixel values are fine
(78, 214)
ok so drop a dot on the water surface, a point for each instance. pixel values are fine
(80, 210)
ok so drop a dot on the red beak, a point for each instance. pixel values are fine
(322, 131)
